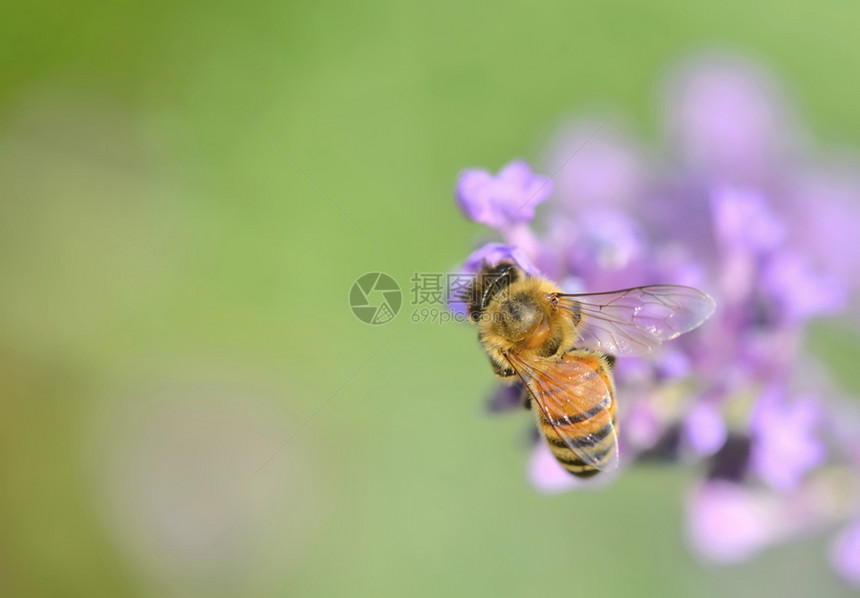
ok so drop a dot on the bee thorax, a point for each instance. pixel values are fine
(518, 317)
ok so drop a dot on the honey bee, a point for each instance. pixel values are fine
(562, 347)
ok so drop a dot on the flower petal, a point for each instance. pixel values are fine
(508, 198)
(845, 554)
(785, 443)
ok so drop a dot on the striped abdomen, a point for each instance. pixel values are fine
(591, 431)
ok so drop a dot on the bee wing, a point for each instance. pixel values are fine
(568, 391)
(635, 321)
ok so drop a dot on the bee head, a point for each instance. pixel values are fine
(489, 282)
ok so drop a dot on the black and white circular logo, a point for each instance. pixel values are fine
(375, 298)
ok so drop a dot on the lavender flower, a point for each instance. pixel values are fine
(704, 429)
(846, 554)
(510, 197)
(786, 441)
(728, 523)
(547, 475)
(491, 253)
(741, 210)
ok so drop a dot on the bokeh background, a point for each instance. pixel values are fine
(175, 275)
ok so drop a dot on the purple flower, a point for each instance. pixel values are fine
(596, 164)
(546, 475)
(845, 554)
(785, 442)
(826, 206)
(727, 523)
(506, 397)
(704, 429)
(771, 234)
(510, 197)
(491, 253)
(642, 428)
(674, 363)
(799, 290)
(607, 240)
(744, 221)
(728, 118)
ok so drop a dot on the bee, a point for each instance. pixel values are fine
(562, 347)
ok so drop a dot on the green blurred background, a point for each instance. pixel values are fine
(174, 300)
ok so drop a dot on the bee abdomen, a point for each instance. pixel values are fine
(575, 418)
(581, 469)
(586, 441)
(593, 434)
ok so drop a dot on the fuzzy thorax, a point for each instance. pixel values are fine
(522, 318)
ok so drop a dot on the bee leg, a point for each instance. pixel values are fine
(503, 371)
(527, 400)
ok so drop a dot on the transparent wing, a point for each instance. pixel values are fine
(634, 321)
(569, 392)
